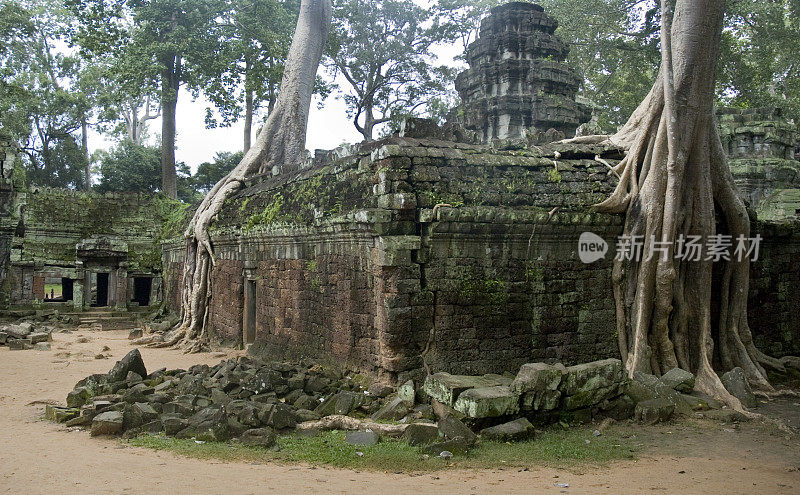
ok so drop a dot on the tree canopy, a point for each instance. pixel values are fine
(383, 50)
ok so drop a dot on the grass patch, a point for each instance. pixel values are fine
(553, 448)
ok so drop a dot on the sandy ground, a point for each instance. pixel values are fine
(37, 456)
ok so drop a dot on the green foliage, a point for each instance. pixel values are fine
(44, 97)
(157, 43)
(256, 46)
(209, 173)
(174, 217)
(130, 167)
(759, 61)
(382, 49)
(553, 448)
(492, 290)
(554, 175)
(269, 215)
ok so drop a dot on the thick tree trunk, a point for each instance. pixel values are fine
(170, 84)
(675, 183)
(248, 120)
(280, 143)
(85, 144)
(249, 108)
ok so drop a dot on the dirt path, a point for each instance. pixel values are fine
(41, 457)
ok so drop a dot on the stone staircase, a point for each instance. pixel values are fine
(108, 318)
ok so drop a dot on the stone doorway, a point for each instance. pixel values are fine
(142, 289)
(249, 312)
(101, 289)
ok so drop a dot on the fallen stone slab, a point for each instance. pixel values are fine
(107, 423)
(588, 384)
(362, 438)
(380, 390)
(3, 338)
(537, 385)
(735, 382)
(42, 346)
(452, 428)
(394, 410)
(421, 434)
(131, 362)
(18, 331)
(678, 379)
(134, 334)
(654, 411)
(407, 393)
(61, 414)
(19, 344)
(487, 402)
(446, 388)
(513, 431)
(259, 437)
(36, 338)
(342, 403)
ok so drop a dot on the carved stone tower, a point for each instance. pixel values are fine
(517, 80)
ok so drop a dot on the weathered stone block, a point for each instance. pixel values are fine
(362, 438)
(107, 423)
(446, 388)
(519, 429)
(654, 410)
(679, 379)
(260, 437)
(395, 409)
(588, 384)
(537, 385)
(736, 384)
(421, 434)
(487, 402)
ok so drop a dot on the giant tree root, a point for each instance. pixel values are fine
(281, 143)
(674, 183)
(338, 422)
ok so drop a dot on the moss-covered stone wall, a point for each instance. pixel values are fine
(409, 244)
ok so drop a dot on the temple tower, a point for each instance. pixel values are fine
(517, 80)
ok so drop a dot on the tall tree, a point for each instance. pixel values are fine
(382, 49)
(171, 42)
(280, 143)
(614, 44)
(260, 32)
(45, 97)
(761, 61)
(675, 182)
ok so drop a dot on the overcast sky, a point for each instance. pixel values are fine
(327, 127)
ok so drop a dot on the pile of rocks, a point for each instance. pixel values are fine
(545, 393)
(252, 402)
(26, 335)
(238, 398)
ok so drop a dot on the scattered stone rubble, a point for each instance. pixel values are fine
(29, 333)
(252, 402)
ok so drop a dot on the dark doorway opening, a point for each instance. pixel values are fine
(102, 290)
(67, 289)
(250, 312)
(142, 287)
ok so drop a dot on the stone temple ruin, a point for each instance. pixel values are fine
(450, 249)
(517, 82)
(70, 250)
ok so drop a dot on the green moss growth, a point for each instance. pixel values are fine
(491, 290)
(554, 175)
